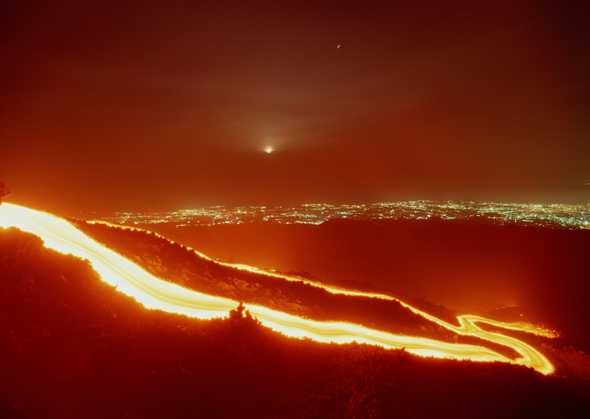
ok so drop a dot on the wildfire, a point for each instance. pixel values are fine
(155, 293)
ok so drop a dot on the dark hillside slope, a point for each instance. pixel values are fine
(72, 347)
(469, 266)
(178, 264)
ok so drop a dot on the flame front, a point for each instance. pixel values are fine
(155, 293)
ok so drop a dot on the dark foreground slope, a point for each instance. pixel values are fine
(470, 266)
(72, 347)
(179, 264)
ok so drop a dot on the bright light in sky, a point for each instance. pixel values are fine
(269, 149)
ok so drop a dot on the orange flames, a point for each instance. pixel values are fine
(155, 293)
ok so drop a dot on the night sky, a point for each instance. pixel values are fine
(150, 107)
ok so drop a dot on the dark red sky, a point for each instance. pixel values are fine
(112, 107)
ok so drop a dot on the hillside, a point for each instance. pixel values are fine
(72, 347)
(181, 265)
(177, 263)
(469, 266)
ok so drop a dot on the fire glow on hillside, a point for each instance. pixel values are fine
(155, 293)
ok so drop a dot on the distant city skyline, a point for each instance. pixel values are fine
(565, 216)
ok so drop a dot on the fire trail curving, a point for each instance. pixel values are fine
(155, 293)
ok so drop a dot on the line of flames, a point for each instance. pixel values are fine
(155, 293)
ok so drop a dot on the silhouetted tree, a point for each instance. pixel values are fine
(240, 314)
